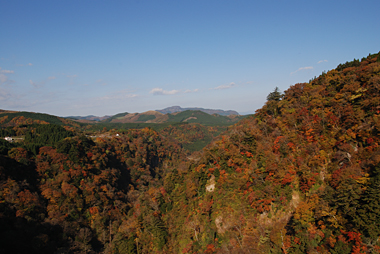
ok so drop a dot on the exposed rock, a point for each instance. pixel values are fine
(210, 186)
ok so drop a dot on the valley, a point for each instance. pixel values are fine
(301, 175)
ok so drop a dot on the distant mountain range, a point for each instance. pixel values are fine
(189, 116)
(175, 109)
(89, 118)
(169, 115)
(135, 117)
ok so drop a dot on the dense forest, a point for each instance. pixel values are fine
(302, 175)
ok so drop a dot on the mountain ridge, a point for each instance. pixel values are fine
(174, 109)
(168, 110)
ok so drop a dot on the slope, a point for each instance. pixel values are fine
(10, 119)
(175, 109)
(300, 177)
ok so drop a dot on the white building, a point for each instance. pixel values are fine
(8, 139)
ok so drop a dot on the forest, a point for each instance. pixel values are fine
(301, 175)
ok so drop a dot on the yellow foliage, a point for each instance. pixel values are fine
(363, 180)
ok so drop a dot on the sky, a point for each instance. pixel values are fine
(98, 57)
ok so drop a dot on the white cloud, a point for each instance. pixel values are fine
(160, 91)
(3, 78)
(51, 78)
(7, 71)
(120, 95)
(30, 64)
(322, 61)
(302, 69)
(191, 91)
(230, 85)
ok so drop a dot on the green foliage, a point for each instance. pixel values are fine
(144, 118)
(275, 95)
(7, 132)
(5, 146)
(367, 217)
(193, 137)
(76, 147)
(108, 120)
(44, 135)
(347, 198)
(19, 118)
(192, 116)
(353, 63)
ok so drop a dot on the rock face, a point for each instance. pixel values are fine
(210, 186)
(175, 109)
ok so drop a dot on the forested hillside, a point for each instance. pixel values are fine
(193, 137)
(300, 176)
(189, 116)
(76, 196)
(12, 119)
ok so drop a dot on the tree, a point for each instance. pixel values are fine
(368, 214)
(276, 95)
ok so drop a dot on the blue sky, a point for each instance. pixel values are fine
(66, 57)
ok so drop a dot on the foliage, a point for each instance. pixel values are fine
(22, 118)
(44, 135)
(300, 176)
(193, 116)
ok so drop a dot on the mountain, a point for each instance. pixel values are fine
(89, 118)
(16, 118)
(302, 175)
(145, 117)
(149, 116)
(175, 109)
(189, 116)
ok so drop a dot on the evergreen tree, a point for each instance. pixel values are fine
(347, 198)
(275, 95)
(368, 216)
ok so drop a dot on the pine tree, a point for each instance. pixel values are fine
(368, 216)
(275, 95)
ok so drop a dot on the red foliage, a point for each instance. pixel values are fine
(210, 249)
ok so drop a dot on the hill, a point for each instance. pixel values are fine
(175, 109)
(145, 117)
(182, 125)
(300, 176)
(189, 116)
(192, 116)
(15, 118)
(153, 117)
